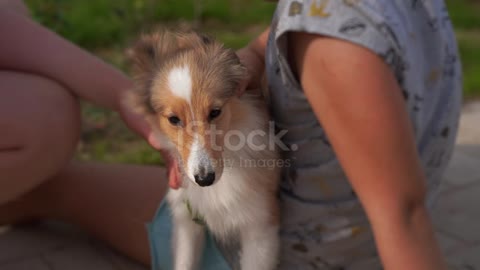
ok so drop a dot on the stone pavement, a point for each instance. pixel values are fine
(456, 218)
(457, 213)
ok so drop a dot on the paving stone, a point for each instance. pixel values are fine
(118, 261)
(458, 213)
(449, 244)
(469, 130)
(471, 257)
(463, 170)
(470, 150)
(60, 246)
(466, 259)
(77, 257)
(28, 264)
(27, 242)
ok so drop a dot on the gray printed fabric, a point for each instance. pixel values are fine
(323, 224)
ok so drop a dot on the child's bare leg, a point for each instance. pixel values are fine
(39, 129)
(39, 124)
(112, 201)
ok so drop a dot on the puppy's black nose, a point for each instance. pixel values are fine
(204, 180)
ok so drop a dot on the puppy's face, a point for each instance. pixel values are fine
(184, 86)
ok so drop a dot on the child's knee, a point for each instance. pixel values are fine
(40, 123)
(39, 113)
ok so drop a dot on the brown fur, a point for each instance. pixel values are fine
(216, 76)
(159, 51)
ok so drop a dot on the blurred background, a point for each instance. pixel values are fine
(107, 27)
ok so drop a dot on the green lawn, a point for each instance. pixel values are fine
(107, 27)
(112, 23)
(466, 19)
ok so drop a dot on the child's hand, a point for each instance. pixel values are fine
(138, 124)
(254, 65)
(253, 58)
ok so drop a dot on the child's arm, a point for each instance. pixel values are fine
(28, 47)
(359, 103)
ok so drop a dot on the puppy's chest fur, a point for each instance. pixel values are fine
(223, 208)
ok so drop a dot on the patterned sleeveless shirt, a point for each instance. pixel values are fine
(323, 223)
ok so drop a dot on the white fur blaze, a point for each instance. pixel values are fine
(180, 83)
(198, 158)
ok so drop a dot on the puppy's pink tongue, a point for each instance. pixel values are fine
(174, 180)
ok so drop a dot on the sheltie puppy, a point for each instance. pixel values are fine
(186, 87)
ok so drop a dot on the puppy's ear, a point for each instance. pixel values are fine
(149, 51)
(206, 39)
(142, 60)
(237, 71)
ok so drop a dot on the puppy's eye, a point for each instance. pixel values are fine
(174, 120)
(214, 114)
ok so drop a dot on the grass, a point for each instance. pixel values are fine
(106, 27)
(105, 137)
(464, 14)
(103, 23)
(469, 46)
